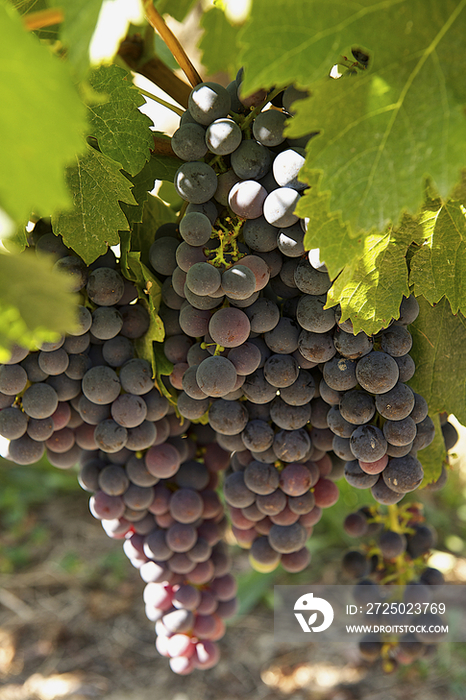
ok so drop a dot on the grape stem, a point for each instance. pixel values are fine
(162, 147)
(253, 114)
(393, 516)
(157, 22)
(227, 236)
(43, 18)
(159, 101)
(132, 53)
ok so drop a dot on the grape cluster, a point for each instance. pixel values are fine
(87, 390)
(88, 399)
(267, 384)
(285, 384)
(395, 553)
(172, 526)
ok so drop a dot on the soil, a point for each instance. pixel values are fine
(72, 626)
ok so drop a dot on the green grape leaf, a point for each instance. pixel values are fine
(328, 233)
(178, 9)
(145, 346)
(434, 456)
(156, 213)
(35, 302)
(149, 292)
(163, 368)
(165, 167)
(121, 130)
(149, 287)
(439, 339)
(142, 183)
(383, 128)
(134, 266)
(168, 193)
(97, 187)
(438, 268)
(139, 241)
(77, 29)
(17, 242)
(219, 33)
(42, 122)
(24, 7)
(370, 290)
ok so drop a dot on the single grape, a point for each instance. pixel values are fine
(377, 372)
(136, 377)
(286, 167)
(239, 282)
(195, 182)
(268, 127)
(207, 102)
(39, 401)
(403, 474)
(279, 207)
(287, 538)
(100, 385)
(188, 142)
(392, 544)
(105, 286)
(216, 376)
(246, 198)
(368, 443)
(229, 327)
(228, 417)
(195, 228)
(251, 160)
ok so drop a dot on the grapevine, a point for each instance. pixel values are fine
(218, 364)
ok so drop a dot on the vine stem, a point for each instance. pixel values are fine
(163, 147)
(393, 515)
(159, 101)
(253, 114)
(400, 561)
(156, 21)
(43, 18)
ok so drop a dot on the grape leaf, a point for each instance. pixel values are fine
(370, 290)
(134, 266)
(165, 167)
(97, 186)
(17, 242)
(121, 130)
(156, 213)
(149, 288)
(35, 302)
(143, 183)
(77, 29)
(24, 7)
(41, 121)
(219, 33)
(168, 193)
(385, 128)
(328, 233)
(145, 346)
(439, 339)
(176, 8)
(438, 268)
(163, 368)
(434, 456)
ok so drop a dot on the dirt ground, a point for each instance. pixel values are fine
(72, 626)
